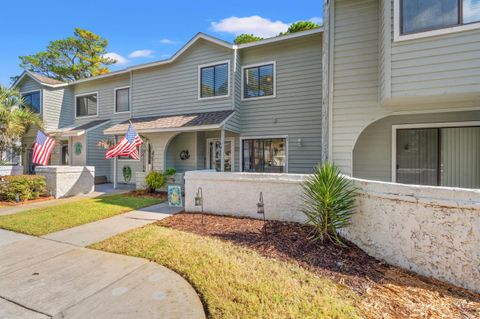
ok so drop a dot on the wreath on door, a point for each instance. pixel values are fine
(127, 173)
(184, 155)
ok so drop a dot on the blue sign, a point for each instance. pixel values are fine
(175, 196)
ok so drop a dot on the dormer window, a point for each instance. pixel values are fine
(32, 100)
(421, 16)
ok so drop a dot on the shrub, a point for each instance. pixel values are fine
(155, 180)
(169, 172)
(329, 202)
(26, 186)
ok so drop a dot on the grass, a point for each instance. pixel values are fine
(236, 282)
(41, 221)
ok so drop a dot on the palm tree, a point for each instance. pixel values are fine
(16, 118)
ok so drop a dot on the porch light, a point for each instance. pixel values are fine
(261, 210)
(199, 200)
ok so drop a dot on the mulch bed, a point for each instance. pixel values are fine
(144, 193)
(385, 291)
(31, 201)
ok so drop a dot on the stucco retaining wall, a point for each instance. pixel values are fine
(65, 181)
(434, 231)
(8, 170)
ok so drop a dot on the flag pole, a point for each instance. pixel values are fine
(115, 164)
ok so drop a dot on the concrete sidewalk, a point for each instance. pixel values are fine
(53, 277)
(100, 190)
(87, 234)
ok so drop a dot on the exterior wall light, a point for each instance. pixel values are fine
(199, 200)
(299, 142)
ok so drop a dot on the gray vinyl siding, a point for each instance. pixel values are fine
(372, 156)
(201, 145)
(105, 99)
(28, 85)
(96, 155)
(58, 110)
(173, 88)
(295, 111)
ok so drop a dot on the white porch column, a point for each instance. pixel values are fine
(115, 165)
(222, 153)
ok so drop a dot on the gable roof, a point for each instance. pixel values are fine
(211, 39)
(42, 80)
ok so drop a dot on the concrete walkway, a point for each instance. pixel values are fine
(100, 190)
(53, 277)
(87, 234)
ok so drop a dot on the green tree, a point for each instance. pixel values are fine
(246, 38)
(301, 26)
(16, 118)
(79, 56)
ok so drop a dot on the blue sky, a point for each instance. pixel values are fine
(139, 31)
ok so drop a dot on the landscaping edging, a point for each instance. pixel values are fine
(433, 231)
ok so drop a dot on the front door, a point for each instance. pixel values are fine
(214, 148)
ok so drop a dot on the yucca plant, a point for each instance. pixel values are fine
(329, 202)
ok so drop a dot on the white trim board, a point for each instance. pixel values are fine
(199, 80)
(85, 94)
(418, 126)
(242, 93)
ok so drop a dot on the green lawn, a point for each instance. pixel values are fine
(43, 221)
(236, 282)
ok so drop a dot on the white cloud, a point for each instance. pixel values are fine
(317, 20)
(120, 59)
(141, 54)
(254, 24)
(167, 41)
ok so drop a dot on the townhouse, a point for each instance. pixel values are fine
(261, 101)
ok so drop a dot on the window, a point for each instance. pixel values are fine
(32, 99)
(438, 156)
(86, 105)
(264, 155)
(428, 15)
(214, 80)
(122, 100)
(258, 81)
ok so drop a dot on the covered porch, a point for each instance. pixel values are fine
(183, 142)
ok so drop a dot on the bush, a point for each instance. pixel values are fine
(169, 172)
(155, 180)
(329, 202)
(26, 186)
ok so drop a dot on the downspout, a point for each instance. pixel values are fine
(234, 82)
(330, 29)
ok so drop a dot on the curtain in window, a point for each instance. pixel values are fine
(221, 79)
(422, 15)
(214, 80)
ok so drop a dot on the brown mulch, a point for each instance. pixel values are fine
(31, 201)
(144, 193)
(385, 291)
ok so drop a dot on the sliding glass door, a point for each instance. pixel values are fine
(448, 156)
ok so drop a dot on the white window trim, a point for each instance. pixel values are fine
(264, 138)
(417, 126)
(41, 98)
(398, 37)
(274, 95)
(115, 100)
(199, 86)
(231, 140)
(87, 116)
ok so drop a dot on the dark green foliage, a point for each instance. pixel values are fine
(79, 56)
(301, 26)
(155, 180)
(246, 38)
(26, 186)
(329, 202)
(169, 172)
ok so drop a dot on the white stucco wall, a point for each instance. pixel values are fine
(434, 231)
(65, 181)
(6, 170)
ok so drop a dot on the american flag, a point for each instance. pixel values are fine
(128, 145)
(42, 149)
